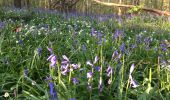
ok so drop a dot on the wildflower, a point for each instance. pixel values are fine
(122, 48)
(147, 42)
(65, 69)
(132, 82)
(2, 25)
(139, 38)
(100, 86)
(66, 60)
(53, 93)
(89, 75)
(6, 95)
(50, 50)
(96, 59)
(109, 71)
(75, 66)
(53, 59)
(132, 46)
(75, 81)
(97, 68)
(116, 55)
(117, 34)
(39, 50)
(132, 68)
(163, 47)
(93, 33)
(89, 63)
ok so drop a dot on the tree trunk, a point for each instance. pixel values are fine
(17, 3)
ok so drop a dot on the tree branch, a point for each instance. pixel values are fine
(131, 6)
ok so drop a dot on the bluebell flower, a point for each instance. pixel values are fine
(100, 86)
(117, 34)
(97, 68)
(53, 59)
(75, 66)
(133, 83)
(147, 42)
(96, 59)
(122, 48)
(89, 75)
(65, 69)
(89, 63)
(163, 47)
(50, 50)
(39, 50)
(139, 38)
(75, 81)
(53, 93)
(109, 71)
(65, 60)
(116, 56)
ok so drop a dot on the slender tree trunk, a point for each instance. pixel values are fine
(17, 3)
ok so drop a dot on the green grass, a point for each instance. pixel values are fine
(72, 37)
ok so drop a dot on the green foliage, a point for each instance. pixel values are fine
(72, 36)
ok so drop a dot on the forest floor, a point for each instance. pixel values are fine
(47, 55)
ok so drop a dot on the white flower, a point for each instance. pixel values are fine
(6, 94)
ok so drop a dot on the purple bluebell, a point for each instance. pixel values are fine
(89, 75)
(139, 38)
(163, 47)
(53, 93)
(50, 50)
(75, 81)
(97, 68)
(65, 69)
(2, 25)
(100, 86)
(122, 48)
(116, 56)
(65, 60)
(147, 42)
(75, 66)
(109, 71)
(133, 46)
(53, 59)
(117, 34)
(39, 50)
(133, 83)
(93, 33)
